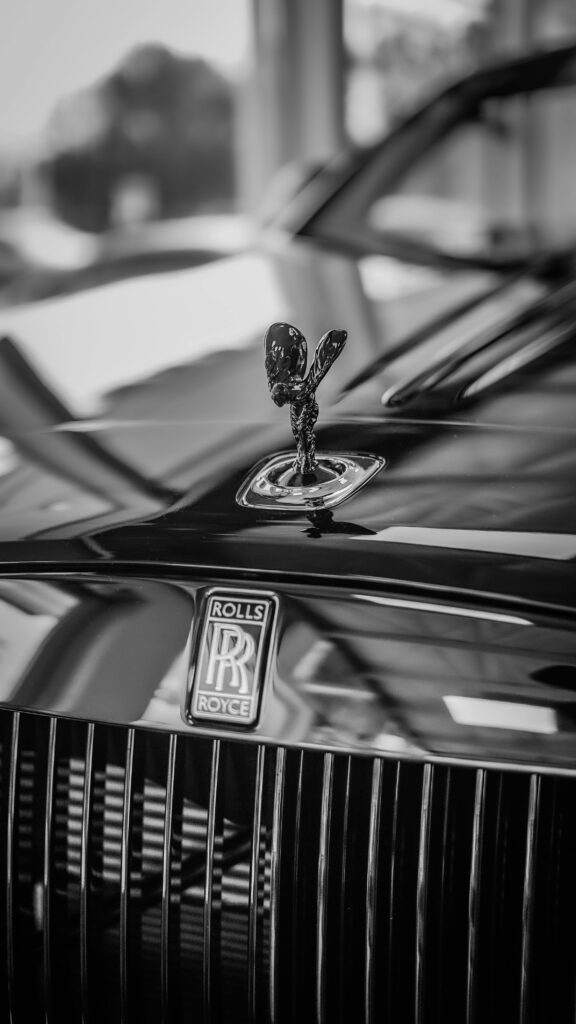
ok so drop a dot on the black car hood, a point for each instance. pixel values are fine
(131, 414)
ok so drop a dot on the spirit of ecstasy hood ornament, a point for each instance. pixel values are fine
(286, 357)
(303, 481)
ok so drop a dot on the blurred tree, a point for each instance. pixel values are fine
(153, 139)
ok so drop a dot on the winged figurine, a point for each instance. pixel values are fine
(286, 352)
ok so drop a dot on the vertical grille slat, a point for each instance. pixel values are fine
(166, 904)
(553, 946)
(288, 939)
(500, 929)
(342, 985)
(47, 890)
(10, 872)
(323, 868)
(445, 893)
(166, 878)
(127, 808)
(276, 845)
(85, 872)
(422, 890)
(209, 880)
(6, 725)
(296, 825)
(392, 882)
(401, 978)
(474, 893)
(254, 903)
(372, 886)
(449, 857)
(528, 896)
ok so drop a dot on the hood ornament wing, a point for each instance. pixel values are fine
(303, 480)
(286, 356)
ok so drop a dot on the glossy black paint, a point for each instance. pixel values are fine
(125, 440)
(366, 672)
(478, 496)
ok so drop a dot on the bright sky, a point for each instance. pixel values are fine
(49, 48)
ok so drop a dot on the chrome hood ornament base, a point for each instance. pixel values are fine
(304, 480)
(274, 485)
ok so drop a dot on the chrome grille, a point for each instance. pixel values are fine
(153, 877)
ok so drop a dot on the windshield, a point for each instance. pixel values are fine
(502, 185)
(483, 175)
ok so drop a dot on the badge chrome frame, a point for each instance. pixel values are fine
(263, 663)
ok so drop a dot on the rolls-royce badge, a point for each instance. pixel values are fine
(230, 659)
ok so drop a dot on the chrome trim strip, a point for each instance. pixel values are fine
(254, 877)
(323, 869)
(10, 873)
(167, 878)
(445, 879)
(125, 874)
(442, 609)
(422, 888)
(342, 981)
(372, 886)
(474, 892)
(528, 894)
(209, 880)
(280, 773)
(47, 870)
(392, 886)
(296, 827)
(85, 870)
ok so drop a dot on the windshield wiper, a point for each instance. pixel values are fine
(549, 266)
(423, 333)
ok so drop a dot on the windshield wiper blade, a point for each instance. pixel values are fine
(547, 266)
(550, 307)
(423, 333)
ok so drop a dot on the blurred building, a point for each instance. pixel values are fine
(335, 72)
(166, 135)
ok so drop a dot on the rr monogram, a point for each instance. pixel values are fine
(231, 649)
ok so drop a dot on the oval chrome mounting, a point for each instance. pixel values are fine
(273, 483)
(303, 481)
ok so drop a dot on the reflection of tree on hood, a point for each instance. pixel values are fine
(161, 121)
